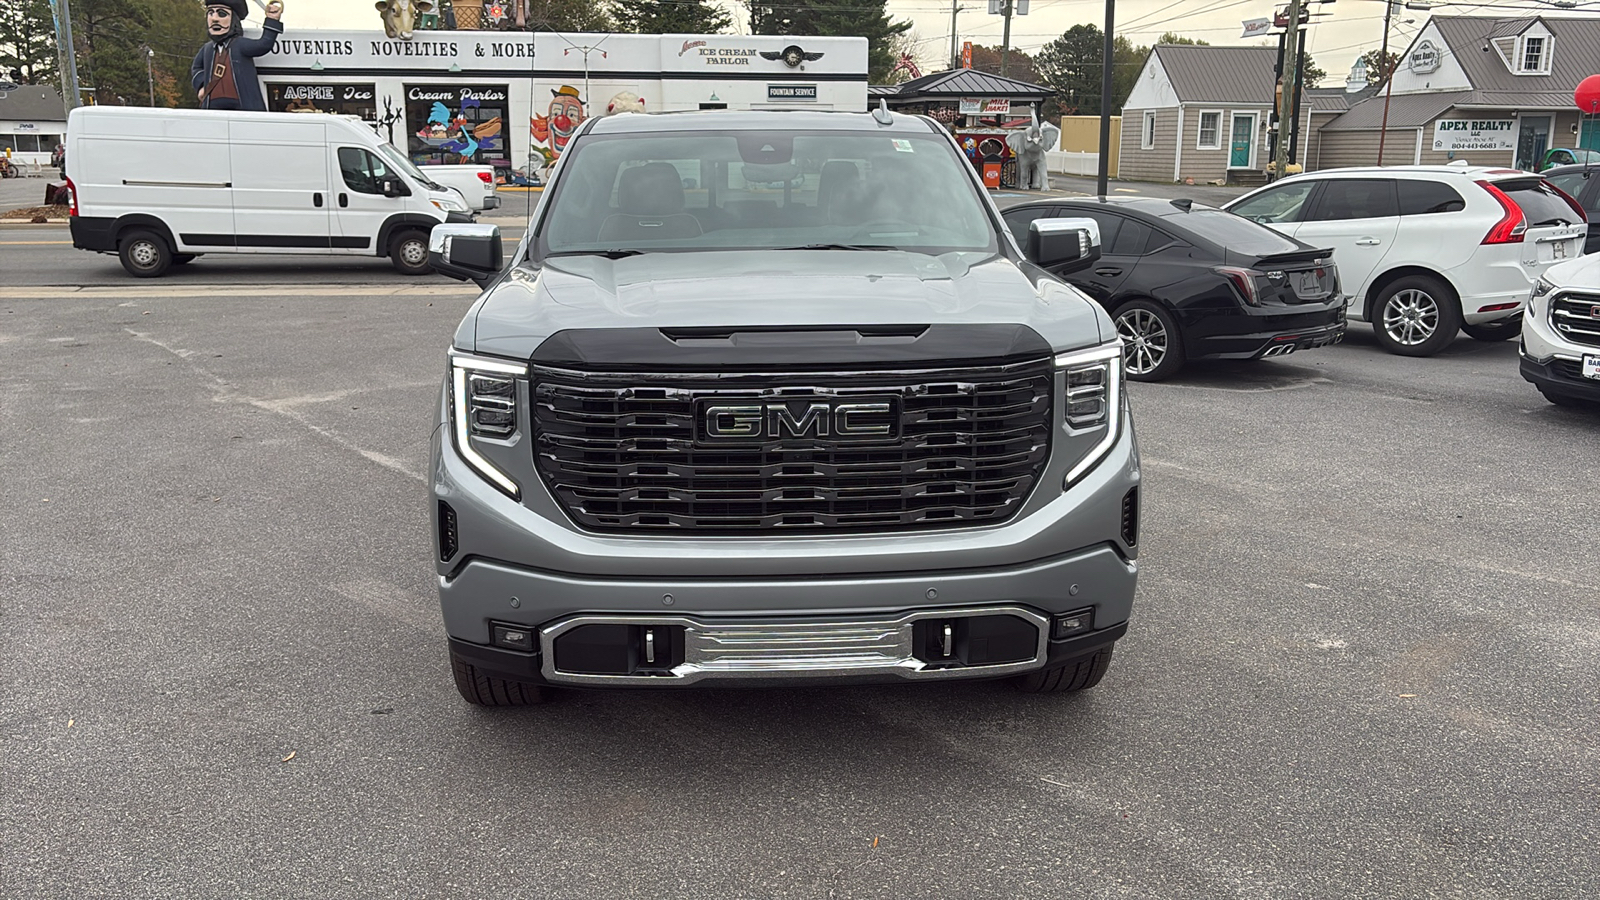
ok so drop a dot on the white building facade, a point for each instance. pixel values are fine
(515, 97)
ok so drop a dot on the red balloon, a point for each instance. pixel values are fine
(1587, 95)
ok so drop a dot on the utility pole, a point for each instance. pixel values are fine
(1005, 40)
(1291, 81)
(61, 11)
(1105, 99)
(1388, 80)
(149, 72)
(955, 49)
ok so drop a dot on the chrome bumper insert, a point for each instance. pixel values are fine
(742, 649)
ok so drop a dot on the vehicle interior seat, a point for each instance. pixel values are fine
(838, 191)
(650, 204)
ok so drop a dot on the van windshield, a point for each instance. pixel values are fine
(764, 190)
(399, 161)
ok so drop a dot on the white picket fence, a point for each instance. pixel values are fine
(1072, 162)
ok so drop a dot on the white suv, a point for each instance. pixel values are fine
(1427, 250)
(1561, 333)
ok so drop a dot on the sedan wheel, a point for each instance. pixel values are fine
(1151, 348)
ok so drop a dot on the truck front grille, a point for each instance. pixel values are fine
(633, 453)
(1576, 317)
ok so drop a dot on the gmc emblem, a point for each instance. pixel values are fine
(870, 419)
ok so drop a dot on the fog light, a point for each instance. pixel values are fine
(513, 637)
(1072, 623)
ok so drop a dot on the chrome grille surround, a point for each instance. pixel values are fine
(1576, 318)
(738, 649)
(624, 452)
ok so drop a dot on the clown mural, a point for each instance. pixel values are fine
(552, 131)
(224, 71)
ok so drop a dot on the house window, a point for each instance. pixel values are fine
(1147, 137)
(1535, 55)
(1210, 131)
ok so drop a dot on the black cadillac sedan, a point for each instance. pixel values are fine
(1187, 281)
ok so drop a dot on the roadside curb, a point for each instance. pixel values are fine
(28, 222)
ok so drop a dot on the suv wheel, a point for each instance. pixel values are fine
(1152, 348)
(409, 252)
(1417, 315)
(1495, 331)
(144, 254)
(1078, 675)
(484, 690)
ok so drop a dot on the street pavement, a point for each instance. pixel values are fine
(1361, 661)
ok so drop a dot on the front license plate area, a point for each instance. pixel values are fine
(1591, 367)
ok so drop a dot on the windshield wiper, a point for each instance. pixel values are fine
(839, 247)
(608, 254)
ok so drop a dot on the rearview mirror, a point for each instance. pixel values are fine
(1064, 245)
(467, 252)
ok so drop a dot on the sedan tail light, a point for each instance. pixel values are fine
(1243, 281)
(1512, 225)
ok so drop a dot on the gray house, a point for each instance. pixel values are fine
(32, 121)
(1202, 112)
(1492, 91)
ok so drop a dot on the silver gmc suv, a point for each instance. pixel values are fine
(774, 398)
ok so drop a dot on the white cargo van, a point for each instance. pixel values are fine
(160, 187)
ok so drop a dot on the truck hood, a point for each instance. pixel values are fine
(787, 288)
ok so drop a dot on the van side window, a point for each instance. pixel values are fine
(363, 172)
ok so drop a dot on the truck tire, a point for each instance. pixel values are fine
(1078, 675)
(1417, 315)
(1495, 331)
(144, 254)
(484, 690)
(408, 250)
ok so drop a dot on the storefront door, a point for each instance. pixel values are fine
(1532, 142)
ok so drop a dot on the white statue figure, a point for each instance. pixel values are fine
(1029, 146)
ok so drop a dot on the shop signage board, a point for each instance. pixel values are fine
(1425, 59)
(780, 92)
(980, 106)
(1460, 135)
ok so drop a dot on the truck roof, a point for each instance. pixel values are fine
(757, 120)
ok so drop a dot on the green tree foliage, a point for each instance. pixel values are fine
(567, 15)
(27, 42)
(1379, 69)
(829, 18)
(1172, 37)
(671, 17)
(108, 35)
(1072, 65)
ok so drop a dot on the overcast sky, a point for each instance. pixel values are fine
(1350, 28)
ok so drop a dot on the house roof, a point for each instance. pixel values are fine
(1206, 74)
(33, 103)
(1405, 111)
(1574, 47)
(1331, 99)
(958, 83)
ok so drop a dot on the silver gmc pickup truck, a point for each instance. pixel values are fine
(772, 398)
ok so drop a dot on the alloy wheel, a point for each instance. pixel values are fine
(1411, 317)
(1144, 340)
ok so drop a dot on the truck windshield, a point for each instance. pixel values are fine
(764, 190)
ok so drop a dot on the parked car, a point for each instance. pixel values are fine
(845, 433)
(1425, 251)
(1185, 281)
(1562, 156)
(1575, 182)
(159, 187)
(1561, 334)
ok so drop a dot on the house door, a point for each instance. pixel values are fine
(1590, 138)
(1243, 139)
(1532, 142)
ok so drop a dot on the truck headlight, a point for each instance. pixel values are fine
(483, 404)
(1093, 400)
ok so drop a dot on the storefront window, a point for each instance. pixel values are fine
(456, 123)
(341, 99)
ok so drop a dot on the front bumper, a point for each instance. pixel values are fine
(491, 203)
(1563, 375)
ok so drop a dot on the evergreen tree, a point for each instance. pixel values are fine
(1071, 65)
(108, 35)
(671, 17)
(27, 42)
(834, 18)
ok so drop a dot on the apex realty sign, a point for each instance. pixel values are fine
(1460, 135)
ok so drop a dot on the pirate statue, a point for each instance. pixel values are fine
(224, 71)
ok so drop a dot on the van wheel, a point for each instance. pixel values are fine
(1078, 675)
(483, 690)
(1495, 331)
(183, 259)
(1417, 315)
(144, 254)
(409, 251)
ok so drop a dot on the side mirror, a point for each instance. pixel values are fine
(392, 188)
(1064, 245)
(466, 252)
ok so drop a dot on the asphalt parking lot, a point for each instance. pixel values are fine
(1361, 664)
